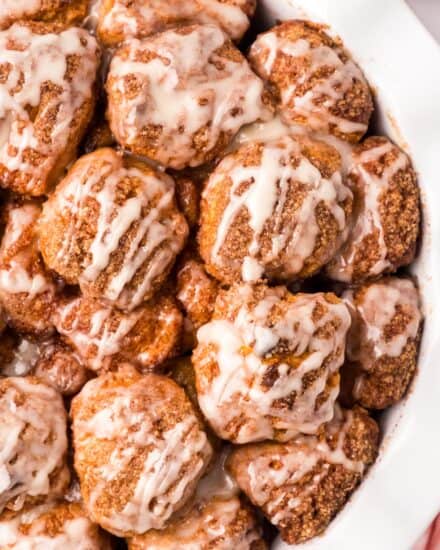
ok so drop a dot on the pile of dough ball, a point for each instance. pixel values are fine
(203, 290)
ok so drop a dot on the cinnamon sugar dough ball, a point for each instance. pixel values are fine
(277, 210)
(44, 11)
(267, 364)
(47, 97)
(119, 20)
(180, 96)
(50, 360)
(27, 291)
(139, 450)
(301, 485)
(113, 227)
(382, 344)
(216, 519)
(33, 443)
(60, 367)
(315, 81)
(196, 290)
(62, 525)
(387, 213)
(103, 337)
(188, 199)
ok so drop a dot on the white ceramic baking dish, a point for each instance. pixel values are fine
(401, 493)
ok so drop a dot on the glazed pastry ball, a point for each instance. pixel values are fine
(52, 525)
(267, 364)
(315, 81)
(277, 210)
(112, 226)
(216, 519)
(27, 290)
(180, 96)
(103, 336)
(301, 485)
(46, 101)
(387, 213)
(33, 443)
(43, 11)
(58, 366)
(139, 450)
(382, 343)
(119, 20)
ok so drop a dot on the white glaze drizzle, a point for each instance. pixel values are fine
(139, 18)
(160, 487)
(208, 521)
(33, 440)
(212, 526)
(148, 208)
(17, 9)
(237, 393)
(302, 456)
(371, 189)
(264, 200)
(332, 87)
(25, 357)
(98, 338)
(15, 275)
(77, 533)
(185, 88)
(41, 59)
(377, 309)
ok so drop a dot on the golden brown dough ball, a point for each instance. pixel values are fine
(196, 290)
(58, 366)
(113, 227)
(139, 450)
(180, 96)
(382, 344)
(62, 525)
(103, 337)
(33, 443)
(27, 290)
(47, 97)
(315, 81)
(44, 11)
(217, 518)
(301, 485)
(277, 210)
(119, 20)
(386, 211)
(267, 364)
(188, 199)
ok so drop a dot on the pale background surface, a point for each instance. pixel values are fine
(428, 12)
